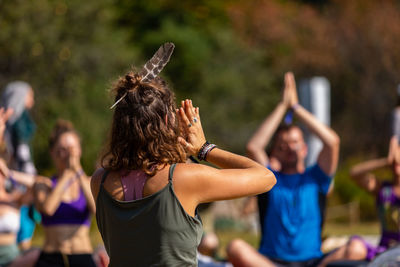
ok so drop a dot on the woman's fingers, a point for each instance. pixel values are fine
(184, 118)
(190, 114)
(189, 109)
(5, 114)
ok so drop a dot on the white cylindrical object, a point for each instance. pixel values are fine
(315, 97)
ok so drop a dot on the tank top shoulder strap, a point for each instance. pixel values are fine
(171, 172)
(103, 178)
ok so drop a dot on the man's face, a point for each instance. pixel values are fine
(290, 147)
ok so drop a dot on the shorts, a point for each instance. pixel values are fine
(58, 259)
(307, 263)
(8, 253)
(372, 250)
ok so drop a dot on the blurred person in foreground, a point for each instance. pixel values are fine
(290, 214)
(387, 195)
(65, 203)
(146, 194)
(10, 202)
(19, 96)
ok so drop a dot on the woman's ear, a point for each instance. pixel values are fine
(166, 119)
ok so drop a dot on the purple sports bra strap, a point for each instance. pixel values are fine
(133, 184)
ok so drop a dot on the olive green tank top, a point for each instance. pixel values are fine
(152, 231)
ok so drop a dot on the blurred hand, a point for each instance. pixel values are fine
(74, 162)
(192, 137)
(290, 84)
(394, 151)
(4, 116)
(3, 168)
(286, 94)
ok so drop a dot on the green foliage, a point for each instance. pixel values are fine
(68, 52)
(229, 58)
(346, 190)
(225, 77)
(352, 43)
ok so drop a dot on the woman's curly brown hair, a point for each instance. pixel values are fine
(144, 132)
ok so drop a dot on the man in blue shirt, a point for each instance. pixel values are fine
(290, 215)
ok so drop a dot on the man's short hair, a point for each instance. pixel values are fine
(282, 128)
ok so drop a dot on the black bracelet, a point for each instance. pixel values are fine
(193, 159)
(204, 150)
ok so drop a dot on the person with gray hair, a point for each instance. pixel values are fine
(19, 97)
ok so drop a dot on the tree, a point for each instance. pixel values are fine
(68, 51)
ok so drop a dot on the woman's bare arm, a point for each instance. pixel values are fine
(363, 176)
(84, 182)
(48, 199)
(20, 177)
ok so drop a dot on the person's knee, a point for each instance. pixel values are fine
(356, 249)
(236, 248)
(209, 245)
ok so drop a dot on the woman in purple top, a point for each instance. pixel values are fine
(66, 203)
(387, 196)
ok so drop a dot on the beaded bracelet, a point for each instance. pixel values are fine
(11, 178)
(79, 173)
(204, 150)
(295, 106)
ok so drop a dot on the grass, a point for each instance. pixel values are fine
(338, 229)
(225, 236)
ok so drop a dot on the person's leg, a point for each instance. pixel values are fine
(242, 254)
(355, 249)
(209, 245)
(27, 259)
(50, 260)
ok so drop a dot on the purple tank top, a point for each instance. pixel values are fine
(389, 215)
(75, 212)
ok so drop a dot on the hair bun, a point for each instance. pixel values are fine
(64, 125)
(132, 79)
(61, 127)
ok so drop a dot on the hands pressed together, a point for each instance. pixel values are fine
(192, 136)
(289, 97)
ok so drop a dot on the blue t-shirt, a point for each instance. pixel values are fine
(290, 215)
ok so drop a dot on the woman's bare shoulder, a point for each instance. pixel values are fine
(96, 178)
(192, 172)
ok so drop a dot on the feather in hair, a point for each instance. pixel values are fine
(154, 66)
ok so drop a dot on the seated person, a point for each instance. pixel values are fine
(387, 196)
(290, 213)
